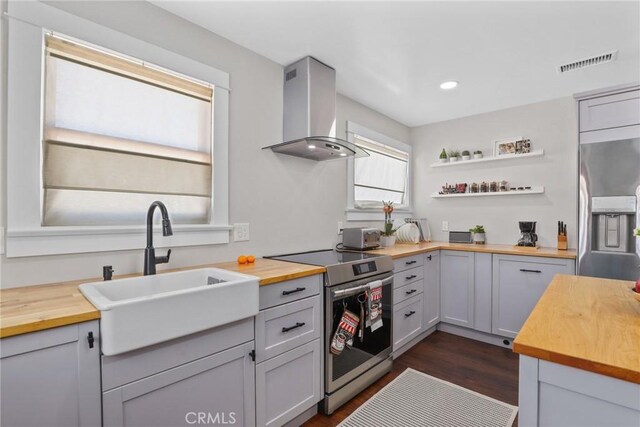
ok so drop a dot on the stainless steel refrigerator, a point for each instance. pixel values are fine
(609, 188)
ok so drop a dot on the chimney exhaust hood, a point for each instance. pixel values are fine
(310, 114)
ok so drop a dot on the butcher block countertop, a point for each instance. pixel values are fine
(402, 250)
(34, 308)
(587, 323)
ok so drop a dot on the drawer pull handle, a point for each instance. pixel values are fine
(411, 313)
(429, 257)
(411, 291)
(293, 291)
(297, 325)
(90, 339)
(413, 276)
(410, 262)
(525, 270)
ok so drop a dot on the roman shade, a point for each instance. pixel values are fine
(381, 176)
(119, 134)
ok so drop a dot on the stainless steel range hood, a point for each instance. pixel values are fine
(310, 114)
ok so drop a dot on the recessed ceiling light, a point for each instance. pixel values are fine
(343, 154)
(448, 84)
(311, 147)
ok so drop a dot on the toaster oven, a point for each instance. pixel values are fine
(361, 238)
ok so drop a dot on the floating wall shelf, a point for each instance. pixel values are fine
(534, 190)
(535, 153)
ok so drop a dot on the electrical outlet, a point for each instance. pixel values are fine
(340, 227)
(241, 232)
(445, 225)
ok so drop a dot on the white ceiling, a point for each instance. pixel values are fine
(392, 56)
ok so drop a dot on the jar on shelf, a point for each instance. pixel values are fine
(504, 186)
(493, 187)
(475, 187)
(484, 187)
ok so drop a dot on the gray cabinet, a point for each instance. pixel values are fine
(518, 284)
(210, 374)
(288, 333)
(289, 384)
(457, 275)
(431, 294)
(220, 386)
(611, 111)
(51, 378)
(482, 292)
(407, 321)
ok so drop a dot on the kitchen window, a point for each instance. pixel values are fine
(119, 134)
(383, 175)
(99, 125)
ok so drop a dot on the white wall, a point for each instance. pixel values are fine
(292, 204)
(550, 125)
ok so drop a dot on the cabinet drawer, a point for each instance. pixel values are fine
(285, 327)
(407, 320)
(408, 262)
(621, 109)
(408, 276)
(408, 291)
(288, 385)
(291, 290)
(518, 284)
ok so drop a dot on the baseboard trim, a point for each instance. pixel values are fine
(476, 335)
(413, 342)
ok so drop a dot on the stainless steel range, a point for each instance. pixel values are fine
(349, 280)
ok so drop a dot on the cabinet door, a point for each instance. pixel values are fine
(457, 288)
(604, 112)
(483, 294)
(217, 389)
(289, 384)
(431, 295)
(51, 378)
(407, 321)
(518, 284)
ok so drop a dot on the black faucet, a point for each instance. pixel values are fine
(150, 259)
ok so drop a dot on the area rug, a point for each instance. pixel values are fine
(417, 399)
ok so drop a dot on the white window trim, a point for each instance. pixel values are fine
(358, 214)
(29, 21)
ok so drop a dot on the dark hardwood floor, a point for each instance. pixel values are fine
(484, 368)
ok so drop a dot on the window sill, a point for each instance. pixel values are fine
(375, 214)
(71, 240)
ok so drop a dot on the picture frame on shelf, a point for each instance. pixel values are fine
(523, 146)
(506, 146)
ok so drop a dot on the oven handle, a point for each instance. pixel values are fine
(357, 289)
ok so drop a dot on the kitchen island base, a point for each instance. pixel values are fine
(556, 395)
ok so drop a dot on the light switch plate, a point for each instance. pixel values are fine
(241, 232)
(445, 225)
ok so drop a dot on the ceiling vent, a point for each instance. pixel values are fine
(588, 62)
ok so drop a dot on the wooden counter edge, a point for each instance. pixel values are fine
(291, 276)
(575, 362)
(43, 324)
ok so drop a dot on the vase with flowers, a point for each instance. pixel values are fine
(388, 237)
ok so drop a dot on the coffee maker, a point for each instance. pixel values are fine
(529, 236)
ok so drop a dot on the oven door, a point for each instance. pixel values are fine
(363, 354)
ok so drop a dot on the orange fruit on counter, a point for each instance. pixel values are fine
(251, 259)
(242, 259)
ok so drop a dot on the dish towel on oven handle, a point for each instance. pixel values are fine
(344, 332)
(374, 318)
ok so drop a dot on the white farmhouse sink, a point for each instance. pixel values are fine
(142, 311)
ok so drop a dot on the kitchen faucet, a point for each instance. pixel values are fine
(150, 259)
